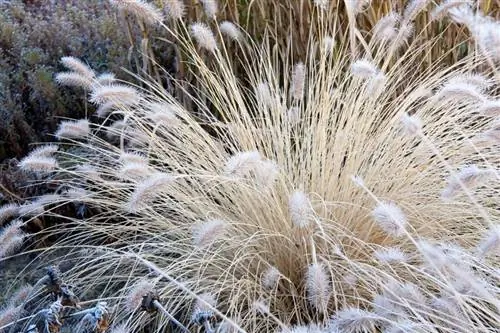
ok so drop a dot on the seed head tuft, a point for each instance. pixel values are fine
(207, 232)
(318, 287)
(203, 36)
(390, 218)
(301, 211)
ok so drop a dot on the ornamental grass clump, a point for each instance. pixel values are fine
(335, 222)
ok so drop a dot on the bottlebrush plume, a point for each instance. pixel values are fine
(134, 297)
(203, 36)
(203, 306)
(263, 94)
(210, 7)
(76, 194)
(118, 94)
(270, 278)
(318, 287)
(364, 69)
(490, 242)
(301, 211)
(149, 189)
(353, 320)
(11, 238)
(73, 129)
(405, 31)
(432, 254)
(174, 9)
(164, 114)
(89, 172)
(207, 232)
(413, 8)
(385, 29)
(293, 115)
(31, 209)
(45, 150)
(9, 314)
(390, 218)
(265, 173)
(78, 66)
(144, 11)
(72, 79)
(131, 157)
(106, 79)
(298, 81)
(135, 171)
(357, 6)
(412, 125)
(479, 81)
(230, 30)
(439, 11)
(386, 307)
(322, 4)
(390, 255)
(490, 108)
(469, 177)
(105, 109)
(328, 45)
(38, 164)
(491, 135)
(261, 306)
(21, 295)
(116, 129)
(460, 91)
(241, 164)
(8, 211)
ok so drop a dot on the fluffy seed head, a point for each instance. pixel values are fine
(230, 30)
(412, 125)
(203, 307)
(301, 211)
(490, 108)
(9, 314)
(21, 295)
(164, 114)
(328, 45)
(413, 8)
(270, 278)
(353, 320)
(490, 242)
(478, 80)
(106, 79)
(385, 29)
(364, 69)
(263, 94)
(390, 255)
(11, 238)
(45, 150)
(144, 11)
(134, 297)
(210, 7)
(318, 287)
(73, 79)
(203, 36)
(357, 6)
(390, 218)
(241, 164)
(130, 157)
(265, 173)
(293, 115)
(118, 94)
(174, 9)
(135, 171)
(7, 211)
(105, 109)
(73, 129)
(38, 164)
(460, 91)
(207, 232)
(149, 189)
(469, 177)
(298, 81)
(322, 4)
(78, 66)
